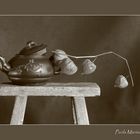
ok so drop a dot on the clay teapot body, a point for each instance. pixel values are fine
(31, 66)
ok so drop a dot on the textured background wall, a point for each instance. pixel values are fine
(79, 36)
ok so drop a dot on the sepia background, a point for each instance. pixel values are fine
(79, 35)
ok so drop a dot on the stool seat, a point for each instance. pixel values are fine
(78, 92)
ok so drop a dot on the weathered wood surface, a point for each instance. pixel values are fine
(78, 92)
(19, 110)
(52, 89)
(80, 111)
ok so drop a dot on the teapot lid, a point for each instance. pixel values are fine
(32, 47)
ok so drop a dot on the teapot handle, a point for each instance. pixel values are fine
(4, 66)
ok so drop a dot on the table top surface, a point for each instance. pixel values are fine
(86, 89)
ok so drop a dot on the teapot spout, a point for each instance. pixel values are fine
(4, 66)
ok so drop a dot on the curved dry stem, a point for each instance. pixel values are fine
(126, 61)
(102, 54)
(94, 59)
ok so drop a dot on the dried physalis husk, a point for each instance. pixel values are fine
(121, 82)
(88, 67)
(68, 67)
(59, 55)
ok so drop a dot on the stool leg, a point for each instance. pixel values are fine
(19, 110)
(81, 110)
(74, 111)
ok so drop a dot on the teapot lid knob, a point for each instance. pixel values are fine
(31, 44)
(33, 48)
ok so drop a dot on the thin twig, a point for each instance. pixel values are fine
(78, 57)
(130, 73)
(94, 59)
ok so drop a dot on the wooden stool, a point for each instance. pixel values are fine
(78, 92)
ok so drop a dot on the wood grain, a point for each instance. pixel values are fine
(52, 89)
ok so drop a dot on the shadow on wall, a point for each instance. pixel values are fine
(78, 36)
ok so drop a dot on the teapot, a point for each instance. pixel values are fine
(32, 65)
